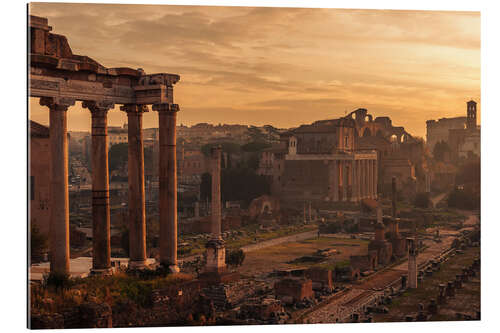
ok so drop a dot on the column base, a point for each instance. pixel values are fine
(102, 271)
(139, 264)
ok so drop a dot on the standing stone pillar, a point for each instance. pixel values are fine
(370, 178)
(375, 178)
(216, 195)
(363, 178)
(354, 182)
(344, 181)
(167, 114)
(216, 252)
(358, 179)
(335, 181)
(136, 192)
(101, 247)
(59, 196)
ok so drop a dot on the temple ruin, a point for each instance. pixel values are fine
(59, 78)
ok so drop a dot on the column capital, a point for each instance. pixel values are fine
(57, 103)
(98, 108)
(166, 107)
(134, 108)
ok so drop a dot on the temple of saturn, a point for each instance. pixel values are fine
(60, 78)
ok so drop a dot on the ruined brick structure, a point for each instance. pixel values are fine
(297, 289)
(342, 160)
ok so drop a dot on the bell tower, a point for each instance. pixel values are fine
(471, 114)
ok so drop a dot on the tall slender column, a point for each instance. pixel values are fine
(375, 179)
(216, 252)
(344, 181)
(335, 181)
(362, 178)
(358, 177)
(366, 182)
(216, 195)
(354, 182)
(136, 192)
(59, 196)
(101, 246)
(370, 178)
(167, 114)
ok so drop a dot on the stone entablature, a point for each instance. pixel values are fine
(56, 72)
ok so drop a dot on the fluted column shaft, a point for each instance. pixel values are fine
(167, 114)
(59, 196)
(375, 179)
(101, 247)
(136, 191)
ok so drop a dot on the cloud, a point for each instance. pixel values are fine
(238, 63)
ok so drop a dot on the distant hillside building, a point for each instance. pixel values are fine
(462, 134)
(321, 161)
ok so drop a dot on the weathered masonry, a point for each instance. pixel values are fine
(59, 78)
(323, 163)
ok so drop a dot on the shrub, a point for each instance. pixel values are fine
(235, 258)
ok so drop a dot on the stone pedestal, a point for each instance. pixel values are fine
(216, 256)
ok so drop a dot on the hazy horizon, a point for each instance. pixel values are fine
(281, 66)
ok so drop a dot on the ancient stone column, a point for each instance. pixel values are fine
(335, 181)
(101, 247)
(59, 196)
(216, 195)
(136, 191)
(375, 178)
(344, 181)
(167, 114)
(216, 252)
(394, 197)
(354, 182)
(370, 178)
(364, 176)
(358, 179)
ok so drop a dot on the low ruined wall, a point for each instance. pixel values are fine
(298, 289)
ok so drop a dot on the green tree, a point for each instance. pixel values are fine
(235, 258)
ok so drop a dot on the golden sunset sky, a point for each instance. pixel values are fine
(281, 66)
